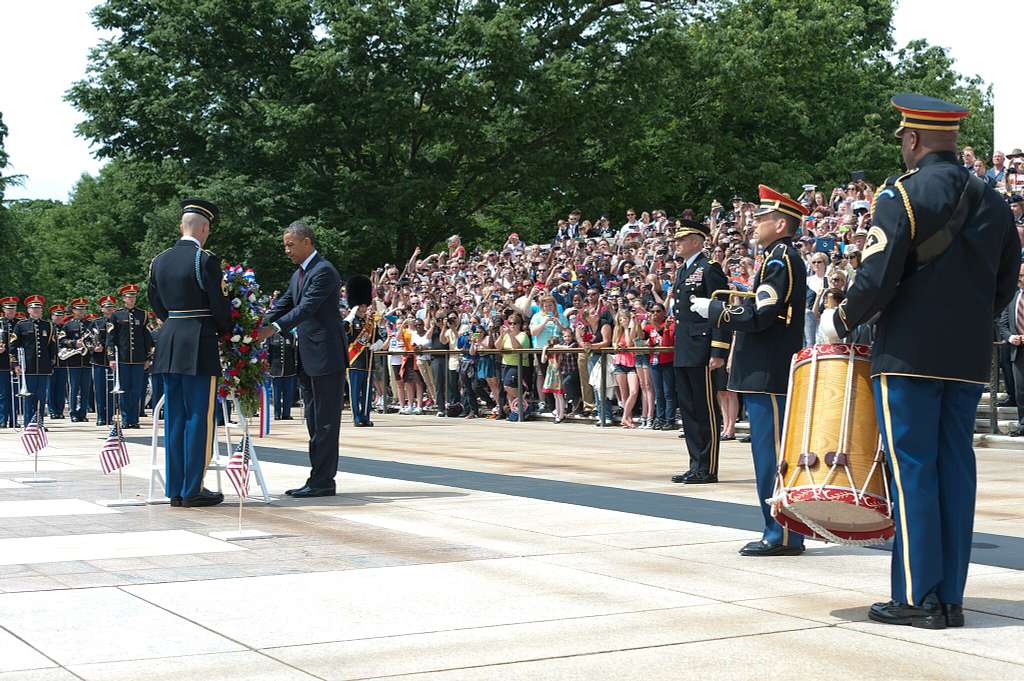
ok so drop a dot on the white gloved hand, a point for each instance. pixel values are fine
(700, 306)
(827, 326)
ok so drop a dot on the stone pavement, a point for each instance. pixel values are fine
(467, 550)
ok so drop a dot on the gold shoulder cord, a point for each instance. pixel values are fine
(906, 202)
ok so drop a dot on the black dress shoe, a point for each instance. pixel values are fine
(683, 477)
(286, 418)
(1007, 403)
(204, 498)
(175, 501)
(954, 614)
(763, 548)
(745, 439)
(701, 480)
(359, 424)
(308, 491)
(682, 434)
(368, 424)
(929, 615)
(727, 438)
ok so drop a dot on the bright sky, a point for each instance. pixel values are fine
(44, 45)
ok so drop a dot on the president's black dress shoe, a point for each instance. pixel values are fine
(308, 491)
(763, 548)
(700, 479)
(204, 498)
(175, 501)
(929, 615)
(683, 477)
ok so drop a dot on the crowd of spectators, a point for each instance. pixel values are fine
(530, 324)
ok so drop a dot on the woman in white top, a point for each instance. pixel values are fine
(815, 283)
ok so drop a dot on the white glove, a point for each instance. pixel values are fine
(827, 326)
(700, 306)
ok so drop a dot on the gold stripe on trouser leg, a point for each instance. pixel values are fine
(775, 442)
(899, 490)
(209, 422)
(713, 448)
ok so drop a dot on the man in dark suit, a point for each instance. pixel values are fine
(1011, 330)
(310, 305)
(699, 350)
(185, 292)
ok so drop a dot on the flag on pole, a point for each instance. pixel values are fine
(237, 469)
(265, 402)
(33, 438)
(114, 453)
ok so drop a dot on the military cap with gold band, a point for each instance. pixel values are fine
(685, 227)
(921, 112)
(200, 207)
(773, 201)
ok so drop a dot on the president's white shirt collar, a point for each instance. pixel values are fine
(305, 263)
(192, 239)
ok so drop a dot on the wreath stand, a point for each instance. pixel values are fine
(157, 486)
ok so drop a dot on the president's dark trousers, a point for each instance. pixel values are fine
(322, 396)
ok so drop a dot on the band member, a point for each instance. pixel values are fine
(37, 338)
(365, 333)
(102, 377)
(310, 305)
(128, 335)
(941, 259)
(7, 389)
(57, 392)
(72, 337)
(769, 331)
(185, 291)
(284, 360)
(699, 350)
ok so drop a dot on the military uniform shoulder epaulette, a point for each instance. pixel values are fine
(894, 188)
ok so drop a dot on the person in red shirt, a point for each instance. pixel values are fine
(660, 332)
(455, 248)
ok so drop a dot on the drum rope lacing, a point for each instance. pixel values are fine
(781, 496)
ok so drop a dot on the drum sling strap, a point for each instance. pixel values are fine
(935, 245)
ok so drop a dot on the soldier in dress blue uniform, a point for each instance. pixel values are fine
(185, 290)
(699, 350)
(364, 334)
(57, 392)
(71, 337)
(37, 337)
(769, 331)
(102, 378)
(941, 260)
(284, 360)
(128, 336)
(8, 392)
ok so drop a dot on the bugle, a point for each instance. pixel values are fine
(729, 292)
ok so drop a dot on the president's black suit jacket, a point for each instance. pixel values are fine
(312, 308)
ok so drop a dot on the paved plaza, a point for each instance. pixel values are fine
(463, 550)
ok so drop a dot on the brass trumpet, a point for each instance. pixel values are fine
(729, 292)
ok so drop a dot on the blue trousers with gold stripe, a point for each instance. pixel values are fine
(189, 403)
(131, 377)
(927, 430)
(765, 412)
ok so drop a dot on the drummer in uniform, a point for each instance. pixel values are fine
(37, 337)
(284, 360)
(769, 331)
(128, 336)
(941, 260)
(72, 335)
(102, 378)
(7, 389)
(57, 391)
(699, 350)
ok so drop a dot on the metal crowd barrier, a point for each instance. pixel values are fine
(603, 411)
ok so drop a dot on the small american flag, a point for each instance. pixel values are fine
(237, 469)
(113, 453)
(33, 438)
